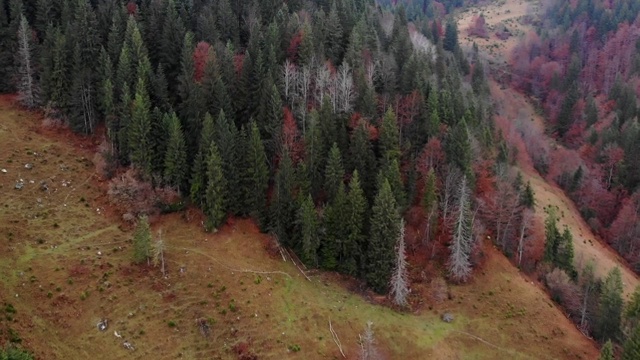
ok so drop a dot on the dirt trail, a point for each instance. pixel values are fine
(587, 246)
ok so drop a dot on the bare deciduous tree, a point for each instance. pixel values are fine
(399, 280)
(28, 91)
(289, 80)
(346, 93)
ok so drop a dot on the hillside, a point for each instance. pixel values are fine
(67, 255)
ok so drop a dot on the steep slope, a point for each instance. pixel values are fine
(513, 105)
(66, 264)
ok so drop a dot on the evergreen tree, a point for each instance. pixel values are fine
(226, 137)
(28, 88)
(334, 172)
(199, 171)
(283, 206)
(552, 237)
(351, 257)
(606, 353)
(142, 241)
(175, 161)
(139, 130)
(609, 317)
(390, 171)
(632, 310)
(450, 41)
(215, 197)
(334, 222)
(458, 146)
(256, 176)
(171, 40)
(190, 94)
(564, 257)
(363, 159)
(333, 41)
(310, 226)
(527, 196)
(389, 137)
(631, 349)
(385, 227)
(429, 204)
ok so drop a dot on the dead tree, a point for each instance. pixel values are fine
(368, 349)
(399, 280)
(462, 240)
(28, 91)
(158, 253)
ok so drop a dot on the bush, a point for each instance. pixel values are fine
(139, 197)
(12, 353)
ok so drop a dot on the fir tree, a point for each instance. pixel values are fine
(564, 257)
(226, 137)
(191, 100)
(389, 137)
(199, 171)
(429, 204)
(334, 172)
(142, 241)
(333, 41)
(334, 221)
(631, 349)
(606, 353)
(351, 256)
(256, 176)
(139, 130)
(215, 197)
(610, 312)
(552, 237)
(390, 171)
(309, 226)
(527, 196)
(362, 159)
(175, 161)
(283, 206)
(385, 227)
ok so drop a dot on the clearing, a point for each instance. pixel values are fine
(65, 260)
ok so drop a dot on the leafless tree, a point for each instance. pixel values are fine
(346, 91)
(322, 79)
(289, 81)
(157, 253)
(587, 283)
(368, 349)
(525, 224)
(423, 46)
(304, 86)
(452, 178)
(399, 280)
(462, 233)
(28, 91)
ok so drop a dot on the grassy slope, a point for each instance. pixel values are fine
(49, 243)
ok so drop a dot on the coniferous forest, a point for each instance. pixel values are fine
(325, 121)
(359, 134)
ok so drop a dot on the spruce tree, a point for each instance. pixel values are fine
(564, 257)
(256, 177)
(215, 197)
(390, 171)
(333, 43)
(142, 241)
(191, 100)
(632, 310)
(363, 159)
(631, 348)
(552, 237)
(309, 224)
(429, 204)
(139, 131)
(351, 257)
(283, 206)
(226, 137)
(610, 310)
(334, 221)
(334, 172)
(175, 161)
(385, 227)
(389, 137)
(527, 197)
(606, 353)
(199, 170)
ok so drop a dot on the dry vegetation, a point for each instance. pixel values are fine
(65, 258)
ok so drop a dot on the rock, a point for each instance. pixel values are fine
(28, 166)
(4, 171)
(447, 317)
(103, 324)
(19, 185)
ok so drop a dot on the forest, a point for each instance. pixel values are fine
(357, 132)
